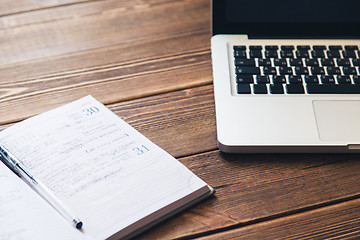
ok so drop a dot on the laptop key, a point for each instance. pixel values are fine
(335, 48)
(286, 54)
(356, 79)
(281, 62)
(349, 54)
(248, 70)
(303, 47)
(271, 54)
(240, 54)
(279, 79)
(351, 48)
(349, 70)
(296, 62)
(255, 47)
(301, 70)
(269, 70)
(276, 89)
(271, 48)
(343, 62)
(319, 47)
(244, 79)
(262, 79)
(243, 89)
(255, 54)
(317, 54)
(311, 80)
(295, 80)
(302, 54)
(264, 62)
(344, 79)
(294, 89)
(327, 79)
(327, 62)
(239, 47)
(260, 88)
(287, 47)
(333, 70)
(311, 62)
(244, 62)
(333, 88)
(285, 70)
(317, 70)
(356, 62)
(333, 54)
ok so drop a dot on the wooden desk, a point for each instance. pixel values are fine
(149, 61)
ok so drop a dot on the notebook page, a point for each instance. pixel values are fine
(24, 215)
(105, 171)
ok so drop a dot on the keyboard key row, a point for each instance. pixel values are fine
(289, 52)
(346, 62)
(283, 70)
(297, 54)
(298, 89)
(347, 79)
(299, 47)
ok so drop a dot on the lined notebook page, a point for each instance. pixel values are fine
(105, 171)
(24, 215)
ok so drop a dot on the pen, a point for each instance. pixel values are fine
(39, 187)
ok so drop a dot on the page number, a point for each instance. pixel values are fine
(140, 150)
(91, 110)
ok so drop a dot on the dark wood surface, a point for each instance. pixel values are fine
(149, 61)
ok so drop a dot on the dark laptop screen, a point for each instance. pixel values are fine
(288, 18)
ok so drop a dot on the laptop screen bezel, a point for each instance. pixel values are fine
(334, 30)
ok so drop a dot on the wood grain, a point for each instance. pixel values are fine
(8, 7)
(127, 70)
(96, 24)
(340, 221)
(136, 69)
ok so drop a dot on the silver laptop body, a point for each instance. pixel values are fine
(253, 116)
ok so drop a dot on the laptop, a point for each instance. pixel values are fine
(286, 75)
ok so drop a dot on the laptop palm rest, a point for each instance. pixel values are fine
(338, 120)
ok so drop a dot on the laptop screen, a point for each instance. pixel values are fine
(287, 18)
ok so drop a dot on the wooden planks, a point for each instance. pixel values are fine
(120, 78)
(96, 24)
(340, 221)
(125, 67)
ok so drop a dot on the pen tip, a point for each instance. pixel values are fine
(78, 224)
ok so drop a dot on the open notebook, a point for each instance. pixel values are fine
(111, 177)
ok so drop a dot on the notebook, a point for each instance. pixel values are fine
(107, 174)
(286, 75)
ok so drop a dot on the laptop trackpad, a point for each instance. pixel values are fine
(338, 120)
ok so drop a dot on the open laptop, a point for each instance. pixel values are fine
(286, 75)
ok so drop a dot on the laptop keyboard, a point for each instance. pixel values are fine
(297, 69)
